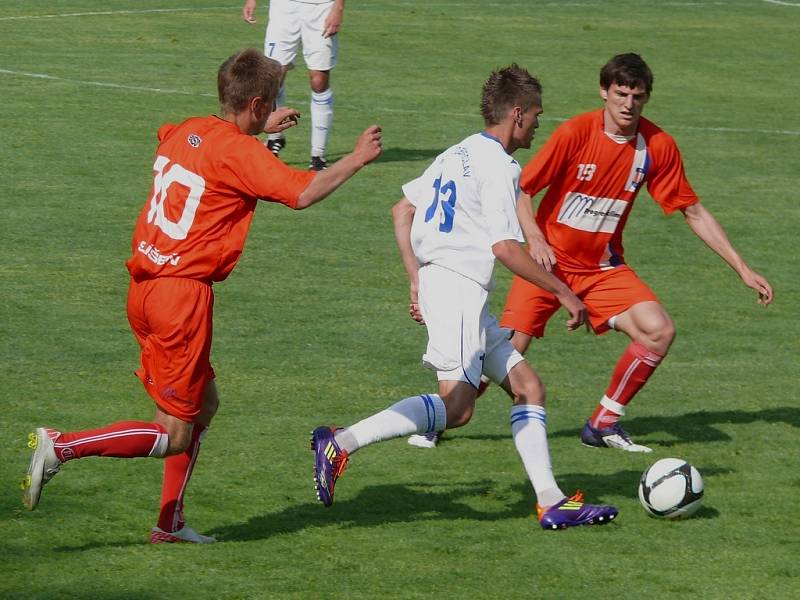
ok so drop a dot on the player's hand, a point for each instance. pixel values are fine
(368, 145)
(249, 11)
(542, 253)
(413, 306)
(578, 314)
(281, 119)
(333, 22)
(753, 280)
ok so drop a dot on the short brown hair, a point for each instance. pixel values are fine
(506, 88)
(629, 70)
(244, 76)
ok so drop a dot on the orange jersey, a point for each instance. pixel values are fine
(208, 176)
(592, 182)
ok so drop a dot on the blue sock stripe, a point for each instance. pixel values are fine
(528, 415)
(429, 411)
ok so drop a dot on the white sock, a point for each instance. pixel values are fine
(530, 437)
(417, 414)
(280, 100)
(321, 121)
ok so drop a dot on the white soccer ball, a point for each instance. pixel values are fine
(671, 488)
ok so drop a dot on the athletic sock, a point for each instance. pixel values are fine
(280, 100)
(177, 472)
(633, 369)
(417, 414)
(125, 439)
(528, 426)
(321, 121)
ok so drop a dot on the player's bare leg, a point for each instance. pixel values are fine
(652, 332)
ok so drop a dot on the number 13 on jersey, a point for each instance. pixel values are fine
(448, 204)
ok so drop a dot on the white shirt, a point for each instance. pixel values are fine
(465, 203)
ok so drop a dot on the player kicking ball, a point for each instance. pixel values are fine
(452, 224)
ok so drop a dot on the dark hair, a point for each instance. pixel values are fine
(244, 76)
(629, 70)
(506, 88)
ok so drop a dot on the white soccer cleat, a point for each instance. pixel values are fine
(425, 440)
(184, 535)
(43, 467)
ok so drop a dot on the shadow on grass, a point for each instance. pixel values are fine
(691, 427)
(408, 154)
(418, 502)
(699, 426)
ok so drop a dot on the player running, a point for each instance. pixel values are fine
(454, 220)
(593, 167)
(209, 174)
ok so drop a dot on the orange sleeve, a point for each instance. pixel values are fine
(550, 160)
(264, 176)
(668, 184)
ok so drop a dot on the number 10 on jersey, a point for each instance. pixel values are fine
(448, 204)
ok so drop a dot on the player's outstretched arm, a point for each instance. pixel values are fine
(708, 229)
(538, 247)
(367, 148)
(403, 217)
(513, 256)
(249, 11)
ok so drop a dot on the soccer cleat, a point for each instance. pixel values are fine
(275, 146)
(184, 535)
(610, 437)
(317, 163)
(43, 466)
(330, 461)
(425, 440)
(573, 511)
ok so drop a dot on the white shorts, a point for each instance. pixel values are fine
(464, 339)
(292, 23)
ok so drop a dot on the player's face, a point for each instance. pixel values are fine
(624, 106)
(526, 125)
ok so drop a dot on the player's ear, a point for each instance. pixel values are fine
(604, 94)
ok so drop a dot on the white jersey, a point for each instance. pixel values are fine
(465, 203)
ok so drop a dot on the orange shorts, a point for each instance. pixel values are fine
(605, 294)
(171, 319)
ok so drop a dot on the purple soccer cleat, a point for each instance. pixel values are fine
(330, 461)
(573, 511)
(610, 437)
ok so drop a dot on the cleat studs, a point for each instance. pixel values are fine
(33, 440)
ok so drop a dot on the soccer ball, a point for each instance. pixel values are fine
(671, 488)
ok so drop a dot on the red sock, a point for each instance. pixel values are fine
(633, 369)
(177, 471)
(126, 439)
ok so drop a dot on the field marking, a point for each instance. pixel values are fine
(782, 3)
(116, 12)
(138, 88)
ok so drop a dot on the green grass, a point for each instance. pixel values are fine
(311, 327)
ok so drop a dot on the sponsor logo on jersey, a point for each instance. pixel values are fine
(156, 257)
(590, 213)
(194, 140)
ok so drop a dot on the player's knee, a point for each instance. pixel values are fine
(459, 410)
(178, 441)
(319, 81)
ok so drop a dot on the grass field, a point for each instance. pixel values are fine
(311, 328)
